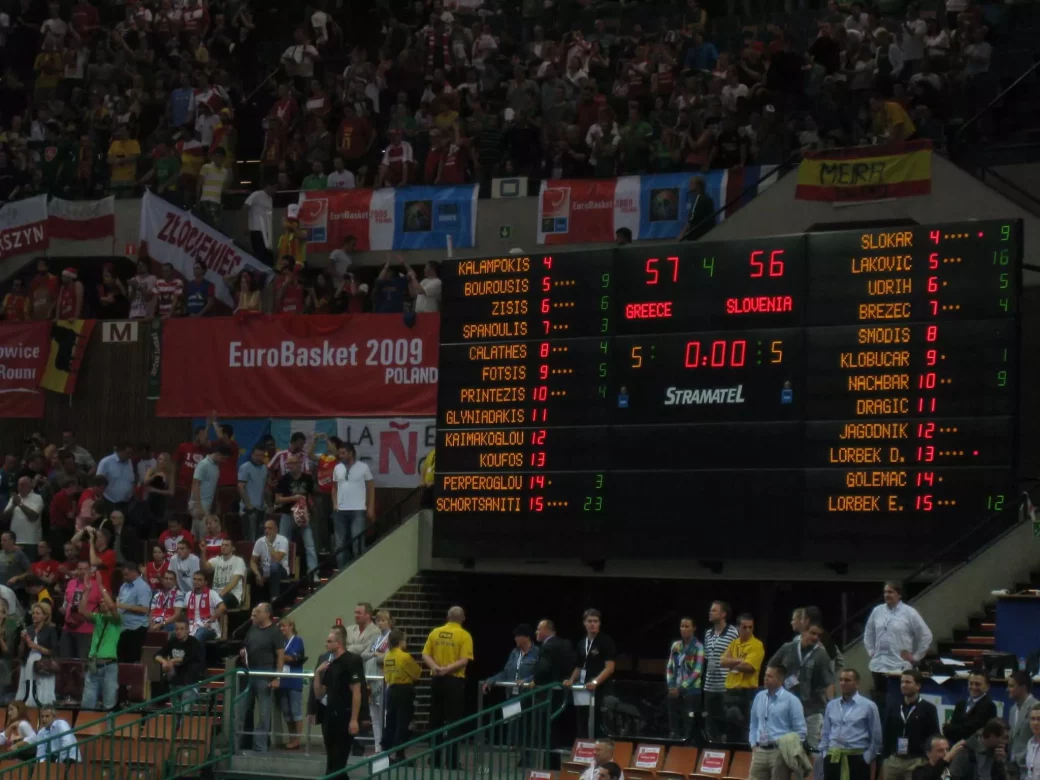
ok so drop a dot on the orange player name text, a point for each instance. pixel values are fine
(879, 407)
(883, 335)
(882, 264)
(497, 352)
(895, 240)
(863, 503)
(501, 460)
(492, 395)
(478, 504)
(483, 482)
(870, 383)
(503, 373)
(875, 479)
(484, 439)
(494, 265)
(884, 311)
(881, 358)
(485, 416)
(495, 287)
(494, 330)
(877, 287)
(862, 431)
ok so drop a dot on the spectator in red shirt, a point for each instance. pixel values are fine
(288, 292)
(102, 556)
(323, 499)
(45, 567)
(15, 306)
(84, 19)
(188, 456)
(354, 139)
(398, 159)
(63, 509)
(453, 168)
(215, 534)
(155, 568)
(173, 534)
(90, 496)
(43, 292)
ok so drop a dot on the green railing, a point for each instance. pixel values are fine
(502, 742)
(174, 735)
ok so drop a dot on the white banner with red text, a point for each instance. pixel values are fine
(170, 235)
(23, 227)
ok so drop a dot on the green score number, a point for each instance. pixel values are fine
(595, 503)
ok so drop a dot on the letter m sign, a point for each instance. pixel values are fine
(119, 332)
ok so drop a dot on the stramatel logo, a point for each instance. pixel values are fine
(675, 396)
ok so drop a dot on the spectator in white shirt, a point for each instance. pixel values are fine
(896, 637)
(229, 572)
(270, 561)
(912, 36)
(426, 291)
(55, 740)
(203, 609)
(733, 90)
(23, 511)
(260, 204)
(355, 503)
(603, 758)
(340, 178)
(299, 59)
(342, 260)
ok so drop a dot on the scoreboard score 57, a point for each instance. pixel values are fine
(804, 395)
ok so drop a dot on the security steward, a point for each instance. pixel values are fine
(448, 650)
(339, 680)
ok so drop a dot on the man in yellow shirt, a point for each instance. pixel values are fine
(448, 650)
(122, 161)
(891, 120)
(210, 188)
(400, 672)
(743, 658)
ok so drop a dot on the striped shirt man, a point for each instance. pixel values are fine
(715, 645)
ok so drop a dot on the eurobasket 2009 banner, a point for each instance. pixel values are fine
(390, 218)
(656, 206)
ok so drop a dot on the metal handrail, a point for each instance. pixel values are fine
(940, 556)
(989, 106)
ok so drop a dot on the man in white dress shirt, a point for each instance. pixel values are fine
(896, 638)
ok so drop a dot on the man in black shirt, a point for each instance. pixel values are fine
(593, 668)
(907, 728)
(939, 756)
(974, 712)
(341, 680)
(554, 665)
(183, 660)
(262, 643)
(294, 497)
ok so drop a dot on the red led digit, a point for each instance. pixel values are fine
(932, 333)
(931, 357)
(693, 354)
(545, 305)
(926, 381)
(925, 430)
(776, 264)
(538, 437)
(758, 265)
(926, 478)
(546, 284)
(933, 284)
(536, 503)
(933, 261)
(675, 268)
(543, 371)
(541, 393)
(538, 459)
(651, 270)
(935, 307)
(718, 354)
(537, 481)
(925, 405)
(547, 261)
(926, 454)
(535, 412)
(737, 353)
(544, 349)
(924, 503)
(545, 324)
(934, 235)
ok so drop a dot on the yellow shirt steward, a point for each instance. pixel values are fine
(751, 652)
(448, 644)
(399, 668)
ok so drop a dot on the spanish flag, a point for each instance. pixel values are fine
(69, 340)
(866, 173)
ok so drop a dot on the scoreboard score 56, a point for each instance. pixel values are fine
(829, 392)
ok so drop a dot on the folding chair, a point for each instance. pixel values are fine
(713, 764)
(740, 766)
(679, 764)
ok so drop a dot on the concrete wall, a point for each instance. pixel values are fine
(948, 603)
(374, 578)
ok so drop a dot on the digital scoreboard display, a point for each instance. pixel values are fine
(833, 395)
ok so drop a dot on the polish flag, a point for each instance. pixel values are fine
(80, 220)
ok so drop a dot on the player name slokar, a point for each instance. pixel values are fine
(676, 396)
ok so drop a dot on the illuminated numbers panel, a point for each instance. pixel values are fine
(835, 395)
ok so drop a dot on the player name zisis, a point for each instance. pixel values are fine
(494, 265)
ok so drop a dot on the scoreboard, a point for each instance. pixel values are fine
(833, 395)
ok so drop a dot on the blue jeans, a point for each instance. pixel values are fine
(286, 526)
(259, 694)
(107, 677)
(349, 524)
(205, 634)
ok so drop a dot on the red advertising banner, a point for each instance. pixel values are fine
(24, 349)
(300, 366)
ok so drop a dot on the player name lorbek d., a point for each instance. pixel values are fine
(674, 396)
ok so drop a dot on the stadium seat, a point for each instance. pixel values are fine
(713, 764)
(623, 753)
(582, 753)
(679, 763)
(93, 723)
(91, 771)
(647, 759)
(569, 774)
(158, 727)
(740, 766)
(133, 678)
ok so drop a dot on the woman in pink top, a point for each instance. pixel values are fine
(75, 636)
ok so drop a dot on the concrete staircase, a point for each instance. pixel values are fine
(417, 608)
(968, 644)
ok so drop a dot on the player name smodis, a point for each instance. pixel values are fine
(864, 455)
(883, 264)
(864, 504)
(880, 358)
(494, 265)
(675, 396)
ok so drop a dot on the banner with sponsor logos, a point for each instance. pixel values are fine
(390, 218)
(655, 206)
(378, 365)
(23, 227)
(393, 447)
(24, 349)
(170, 235)
(866, 173)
